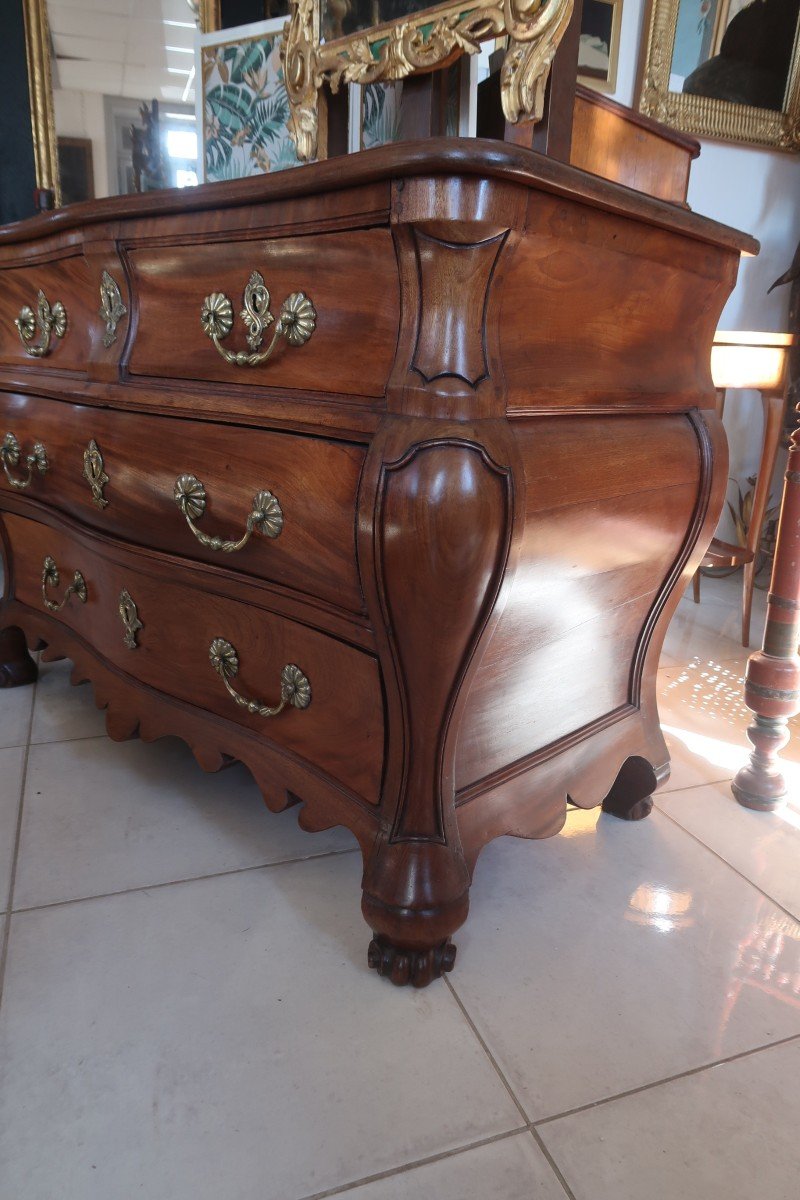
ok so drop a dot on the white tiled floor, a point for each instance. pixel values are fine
(187, 1012)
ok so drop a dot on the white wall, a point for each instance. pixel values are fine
(757, 191)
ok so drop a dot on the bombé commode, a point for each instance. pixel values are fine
(383, 476)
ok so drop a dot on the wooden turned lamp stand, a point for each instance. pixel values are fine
(772, 680)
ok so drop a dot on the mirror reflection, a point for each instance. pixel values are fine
(338, 18)
(123, 95)
(735, 50)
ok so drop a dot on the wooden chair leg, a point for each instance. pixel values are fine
(696, 586)
(773, 416)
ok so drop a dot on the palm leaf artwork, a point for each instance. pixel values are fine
(246, 112)
(381, 114)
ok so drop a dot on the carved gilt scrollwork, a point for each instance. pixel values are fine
(534, 28)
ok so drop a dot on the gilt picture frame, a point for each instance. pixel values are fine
(417, 42)
(706, 115)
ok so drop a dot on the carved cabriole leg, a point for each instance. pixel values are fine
(435, 542)
(16, 665)
(772, 681)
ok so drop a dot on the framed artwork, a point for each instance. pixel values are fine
(598, 49)
(242, 106)
(724, 68)
(76, 169)
(375, 108)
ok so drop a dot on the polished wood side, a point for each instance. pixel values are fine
(621, 287)
(620, 144)
(142, 458)
(601, 532)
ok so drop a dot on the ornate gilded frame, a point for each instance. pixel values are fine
(702, 115)
(40, 89)
(419, 43)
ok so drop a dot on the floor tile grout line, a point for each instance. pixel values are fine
(343, 1188)
(660, 794)
(647, 1087)
(554, 1167)
(792, 916)
(152, 887)
(482, 1043)
(17, 842)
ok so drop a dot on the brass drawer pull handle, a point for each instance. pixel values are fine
(49, 321)
(265, 517)
(296, 322)
(295, 688)
(10, 454)
(50, 578)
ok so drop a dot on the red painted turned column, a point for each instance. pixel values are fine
(772, 681)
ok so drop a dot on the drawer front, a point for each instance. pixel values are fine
(350, 278)
(313, 482)
(64, 332)
(179, 623)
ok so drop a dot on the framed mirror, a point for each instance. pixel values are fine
(338, 42)
(725, 69)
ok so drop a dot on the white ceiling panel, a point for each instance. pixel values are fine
(103, 77)
(92, 49)
(82, 22)
(124, 8)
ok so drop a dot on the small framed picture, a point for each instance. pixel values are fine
(375, 108)
(599, 44)
(242, 106)
(76, 169)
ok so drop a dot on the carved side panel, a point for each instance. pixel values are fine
(454, 286)
(447, 362)
(442, 530)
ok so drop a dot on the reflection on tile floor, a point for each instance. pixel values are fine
(187, 1012)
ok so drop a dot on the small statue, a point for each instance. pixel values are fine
(149, 168)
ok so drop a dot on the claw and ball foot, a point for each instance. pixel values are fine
(406, 965)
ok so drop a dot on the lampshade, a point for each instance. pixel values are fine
(750, 360)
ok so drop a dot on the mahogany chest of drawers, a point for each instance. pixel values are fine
(382, 476)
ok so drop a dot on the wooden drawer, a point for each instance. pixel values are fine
(351, 279)
(314, 482)
(63, 281)
(179, 624)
